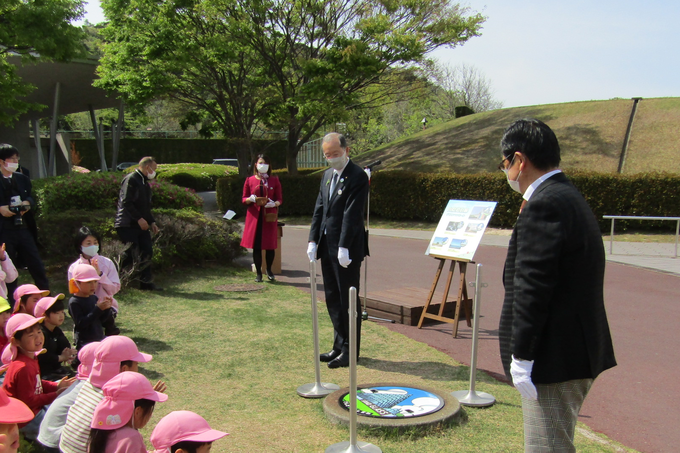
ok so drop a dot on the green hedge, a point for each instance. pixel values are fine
(97, 190)
(175, 151)
(419, 196)
(199, 177)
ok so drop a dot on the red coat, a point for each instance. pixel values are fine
(272, 190)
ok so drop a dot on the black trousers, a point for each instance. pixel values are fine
(138, 243)
(337, 281)
(21, 242)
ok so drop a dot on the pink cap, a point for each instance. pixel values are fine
(86, 357)
(120, 394)
(85, 273)
(13, 411)
(182, 426)
(109, 354)
(27, 289)
(44, 304)
(18, 321)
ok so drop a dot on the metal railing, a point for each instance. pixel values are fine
(633, 217)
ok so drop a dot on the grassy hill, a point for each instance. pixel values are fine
(591, 135)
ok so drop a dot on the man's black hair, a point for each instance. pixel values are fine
(7, 151)
(535, 140)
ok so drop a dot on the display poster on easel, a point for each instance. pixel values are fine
(460, 229)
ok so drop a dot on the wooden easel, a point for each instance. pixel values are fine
(461, 300)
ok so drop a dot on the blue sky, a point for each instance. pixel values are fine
(544, 52)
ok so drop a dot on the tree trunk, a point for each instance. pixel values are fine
(244, 156)
(292, 152)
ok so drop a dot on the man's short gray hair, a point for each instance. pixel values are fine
(146, 161)
(334, 135)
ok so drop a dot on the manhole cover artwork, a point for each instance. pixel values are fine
(394, 402)
(241, 287)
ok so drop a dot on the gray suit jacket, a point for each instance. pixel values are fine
(553, 311)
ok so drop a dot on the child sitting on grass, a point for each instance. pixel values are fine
(127, 407)
(57, 347)
(23, 371)
(25, 298)
(89, 313)
(12, 411)
(184, 432)
(88, 244)
(8, 272)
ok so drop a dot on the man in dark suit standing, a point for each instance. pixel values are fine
(554, 335)
(337, 237)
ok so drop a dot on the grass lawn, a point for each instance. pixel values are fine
(237, 359)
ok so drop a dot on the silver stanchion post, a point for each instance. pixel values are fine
(316, 389)
(471, 397)
(353, 446)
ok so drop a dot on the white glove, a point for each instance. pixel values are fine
(311, 251)
(368, 173)
(270, 204)
(252, 198)
(521, 378)
(343, 257)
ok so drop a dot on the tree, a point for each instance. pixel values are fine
(463, 85)
(34, 30)
(291, 64)
(325, 55)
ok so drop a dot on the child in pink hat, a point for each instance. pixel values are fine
(88, 245)
(184, 432)
(55, 417)
(23, 371)
(26, 297)
(114, 356)
(127, 406)
(88, 312)
(58, 350)
(12, 411)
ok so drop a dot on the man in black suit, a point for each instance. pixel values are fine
(554, 335)
(16, 200)
(337, 237)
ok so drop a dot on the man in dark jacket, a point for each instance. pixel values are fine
(337, 237)
(15, 201)
(134, 221)
(554, 335)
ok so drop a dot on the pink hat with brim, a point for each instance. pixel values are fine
(120, 394)
(182, 426)
(27, 289)
(13, 410)
(17, 322)
(44, 304)
(85, 273)
(86, 358)
(109, 354)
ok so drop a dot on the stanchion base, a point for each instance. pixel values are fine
(316, 390)
(472, 398)
(345, 447)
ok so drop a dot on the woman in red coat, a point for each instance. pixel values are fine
(262, 195)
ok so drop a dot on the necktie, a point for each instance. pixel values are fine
(333, 183)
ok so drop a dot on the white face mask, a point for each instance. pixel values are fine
(514, 185)
(151, 175)
(337, 162)
(262, 168)
(90, 250)
(11, 166)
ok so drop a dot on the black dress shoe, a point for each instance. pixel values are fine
(271, 277)
(258, 279)
(328, 356)
(341, 361)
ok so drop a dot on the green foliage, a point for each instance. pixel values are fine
(94, 191)
(199, 177)
(186, 237)
(397, 195)
(28, 29)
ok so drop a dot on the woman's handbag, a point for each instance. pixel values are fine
(271, 216)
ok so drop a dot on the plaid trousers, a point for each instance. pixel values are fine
(550, 421)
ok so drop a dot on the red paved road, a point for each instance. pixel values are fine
(635, 403)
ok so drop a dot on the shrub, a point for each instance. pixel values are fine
(199, 177)
(94, 191)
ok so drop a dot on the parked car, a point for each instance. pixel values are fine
(230, 162)
(123, 165)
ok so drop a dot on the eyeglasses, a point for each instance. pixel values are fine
(501, 166)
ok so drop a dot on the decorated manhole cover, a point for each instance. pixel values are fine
(394, 402)
(239, 287)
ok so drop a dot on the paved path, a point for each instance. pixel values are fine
(635, 403)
